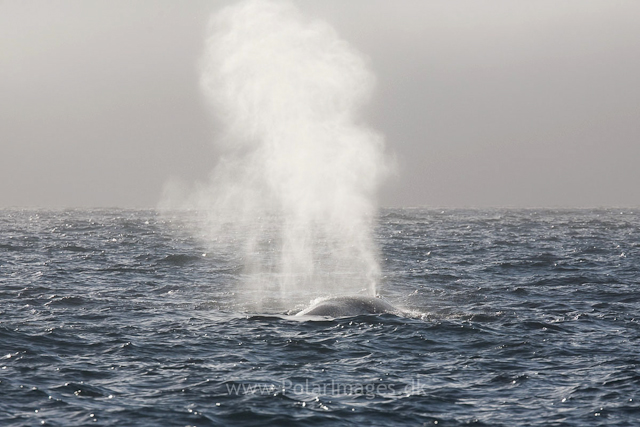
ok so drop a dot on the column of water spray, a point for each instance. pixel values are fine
(298, 178)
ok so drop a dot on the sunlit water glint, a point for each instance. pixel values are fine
(125, 318)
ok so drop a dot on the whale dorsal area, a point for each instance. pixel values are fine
(348, 306)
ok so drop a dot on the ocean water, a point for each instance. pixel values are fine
(129, 317)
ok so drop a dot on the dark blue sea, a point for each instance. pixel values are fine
(129, 318)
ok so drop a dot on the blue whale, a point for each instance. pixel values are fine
(349, 306)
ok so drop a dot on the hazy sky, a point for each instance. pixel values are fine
(482, 103)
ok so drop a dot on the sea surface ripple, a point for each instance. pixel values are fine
(128, 317)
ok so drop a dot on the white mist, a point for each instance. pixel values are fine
(296, 187)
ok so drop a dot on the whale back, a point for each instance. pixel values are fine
(349, 306)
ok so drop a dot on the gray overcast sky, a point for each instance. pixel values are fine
(483, 103)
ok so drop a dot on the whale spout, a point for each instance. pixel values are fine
(349, 306)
